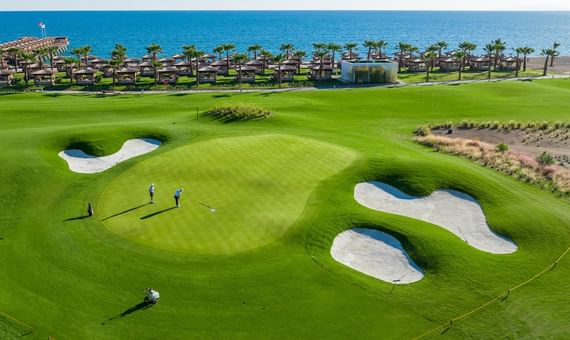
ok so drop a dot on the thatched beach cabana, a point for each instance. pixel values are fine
(246, 73)
(43, 77)
(317, 75)
(479, 64)
(6, 77)
(449, 64)
(184, 68)
(167, 75)
(87, 76)
(221, 66)
(146, 69)
(287, 73)
(509, 64)
(127, 76)
(416, 65)
(131, 62)
(258, 65)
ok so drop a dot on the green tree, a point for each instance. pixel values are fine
(380, 46)
(115, 64)
(461, 56)
(155, 67)
(188, 52)
(78, 52)
(548, 53)
(429, 56)
(370, 45)
(403, 48)
(333, 49)
(489, 49)
(219, 50)
(500, 47)
(14, 53)
(85, 52)
(278, 59)
(227, 49)
(299, 55)
(441, 46)
(254, 49)
(287, 49)
(321, 55)
(545, 159)
(238, 60)
(526, 51)
(555, 48)
(350, 47)
(154, 50)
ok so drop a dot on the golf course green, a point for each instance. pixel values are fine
(260, 266)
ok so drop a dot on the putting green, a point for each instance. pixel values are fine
(259, 186)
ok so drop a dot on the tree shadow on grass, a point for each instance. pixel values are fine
(76, 218)
(125, 211)
(139, 306)
(157, 213)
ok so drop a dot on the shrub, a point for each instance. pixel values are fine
(502, 147)
(423, 130)
(238, 112)
(545, 159)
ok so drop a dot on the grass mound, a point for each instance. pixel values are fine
(238, 112)
(254, 205)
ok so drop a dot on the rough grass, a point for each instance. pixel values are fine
(75, 279)
(238, 112)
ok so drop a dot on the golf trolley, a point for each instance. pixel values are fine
(151, 296)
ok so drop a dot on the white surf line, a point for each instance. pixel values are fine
(376, 254)
(80, 162)
(452, 210)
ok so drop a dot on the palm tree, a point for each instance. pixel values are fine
(467, 47)
(412, 50)
(318, 47)
(115, 63)
(380, 45)
(350, 47)
(27, 58)
(287, 48)
(119, 52)
(2, 53)
(197, 54)
(370, 45)
(432, 49)
(228, 48)
(188, 52)
(429, 56)
(461, 56)
(299, 55)
(51, 51)
(549, 53)
(156, 66)
(333, 48)
(500, 47)
(279, 60)
(526, 51)
(441, 46)
(69, 63)
(489, 49)
(403, 48)
(219, 50)
(254, 49)
(154, 50)
(78, 52)
(555, 48)
(86, 51)
(40, 55)
(519, 51)
(321, 55)
(14, 52)
(239, 59)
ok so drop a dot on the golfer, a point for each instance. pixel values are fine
(177, 196)
(90, 210)
(151, 193)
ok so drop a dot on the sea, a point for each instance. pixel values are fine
(207, 29)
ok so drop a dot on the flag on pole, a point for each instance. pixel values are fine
(42, 25)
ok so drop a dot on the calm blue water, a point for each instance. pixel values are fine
(173, 29)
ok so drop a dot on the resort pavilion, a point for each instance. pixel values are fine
(416, 65)
(59, 64)
(287, 73)
(184, 68)
(127, 76)
(131, 62)
(86, 76)
(167, 75)
(146, 69)
(509, 64)
(221, 66)
(167, 61)
(43, 77)
(6, 77)
(178, 57)
(98, 63)
(449, 64)
(107, 71)
(246, 73)
(207, 74)
(479, 64)
(326, 74)
(259, 66)
(147, 58)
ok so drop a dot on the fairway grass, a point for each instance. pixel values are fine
(261, 266)
(257, 185)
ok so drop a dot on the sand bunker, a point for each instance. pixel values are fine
(81, 162)
(449, 209)
(376, 254)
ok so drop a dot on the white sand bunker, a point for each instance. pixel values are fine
(81, 162)
(452, 210)
(376, 254)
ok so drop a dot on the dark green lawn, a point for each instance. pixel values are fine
(73, 279)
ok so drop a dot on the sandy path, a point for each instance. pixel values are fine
(375, 254)
(80, 162)
(452, 210)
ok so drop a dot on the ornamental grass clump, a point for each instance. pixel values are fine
(238, 112)
(541, 171)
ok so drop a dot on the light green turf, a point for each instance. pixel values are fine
(72, 278)
(258, 185)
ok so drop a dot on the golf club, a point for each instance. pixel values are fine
(209, 207)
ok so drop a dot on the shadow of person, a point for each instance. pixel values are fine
(139, 306)
(125, 211)
(76, 218)
(157, 213)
